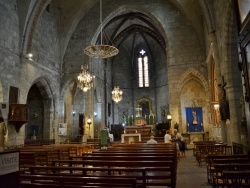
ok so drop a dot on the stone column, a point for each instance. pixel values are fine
(214, 52)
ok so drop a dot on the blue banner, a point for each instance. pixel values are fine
(194, 119)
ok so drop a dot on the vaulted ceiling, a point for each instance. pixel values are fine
(121, 30)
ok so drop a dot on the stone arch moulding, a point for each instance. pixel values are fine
(192, 74)
(47, 110)
(1, 91)
(30, 25)
(45, 91)
(206, 9)
(43, 86)
(65, 86)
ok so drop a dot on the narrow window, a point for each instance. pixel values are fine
(143, 75)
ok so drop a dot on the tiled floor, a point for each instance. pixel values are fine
(189, 174)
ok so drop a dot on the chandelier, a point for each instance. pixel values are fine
(101, 50)
(117, 94)
(85, 80)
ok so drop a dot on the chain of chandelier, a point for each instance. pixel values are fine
(85, 79)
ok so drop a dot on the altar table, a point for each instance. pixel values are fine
(129, 138)
(194, 136)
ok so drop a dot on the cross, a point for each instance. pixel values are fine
(142, 52)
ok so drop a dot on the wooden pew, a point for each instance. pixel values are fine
(73, 182)
(202, 143)
(236, 178)
(168, 176)
(140, 149)
(133, 172)
(128, 158)
(218, 175)
(26, 159)
(129, 154)
(42, 155)
(237, 148)
(135, 151)
(205, 150)
(144, 144)
(123, 157)
(110, 156)
(211, 158)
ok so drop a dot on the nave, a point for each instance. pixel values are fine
(190, 174)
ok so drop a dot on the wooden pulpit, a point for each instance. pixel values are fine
(18, 115)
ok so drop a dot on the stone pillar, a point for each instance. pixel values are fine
(233, 134)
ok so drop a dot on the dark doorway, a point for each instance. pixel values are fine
(36, 113)
(117, 130)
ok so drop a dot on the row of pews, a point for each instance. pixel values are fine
(120, 165)
(43, 155)
(224, 167)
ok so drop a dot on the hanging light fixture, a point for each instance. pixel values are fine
(85, 80)
(101, 50)
(117, 94)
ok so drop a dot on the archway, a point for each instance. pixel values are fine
(40, 105)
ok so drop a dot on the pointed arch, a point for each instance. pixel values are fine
(35, 11)
(44, 106)
(193, 74)
(65, 87)
(208, 15)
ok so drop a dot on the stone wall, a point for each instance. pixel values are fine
(17, 71)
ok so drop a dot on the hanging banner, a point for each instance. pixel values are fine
(194, 119)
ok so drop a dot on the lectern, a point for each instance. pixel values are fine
(104, 137)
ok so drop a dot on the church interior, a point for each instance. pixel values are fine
(109, 72)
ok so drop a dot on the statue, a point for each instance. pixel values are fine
(138, 111)
(224, 105)
(243, 112)
(194, 114)
(34, 135)
(3, 131)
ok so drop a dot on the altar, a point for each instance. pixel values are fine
(191, 137)
(130, 138)
(144, 130)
